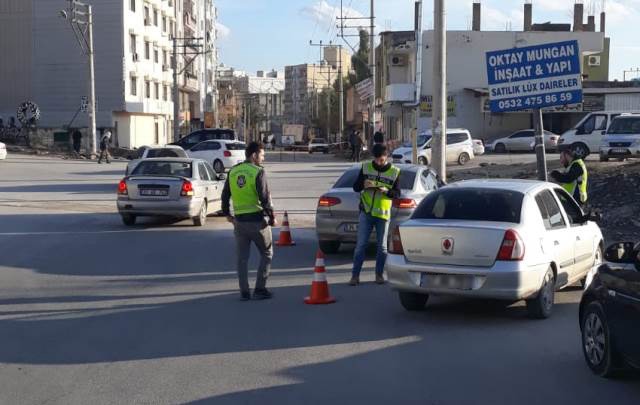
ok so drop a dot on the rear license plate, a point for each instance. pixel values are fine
(351, 228)
(452, 281)
(154, 192)
(620, 151)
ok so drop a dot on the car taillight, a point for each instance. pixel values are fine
(395, 242)
(512, 248)
(404, 203)
(122, 188)
(227, 153)
(187, 189)
(328, 201)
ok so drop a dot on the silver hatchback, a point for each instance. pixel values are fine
(339, 208)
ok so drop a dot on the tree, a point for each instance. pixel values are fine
(360, 60)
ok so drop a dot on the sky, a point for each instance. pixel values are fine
(270, 34)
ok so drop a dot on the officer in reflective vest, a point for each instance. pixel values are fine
(378, 184)
(575, 176)
(252, 218)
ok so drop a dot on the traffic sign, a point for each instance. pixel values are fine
(534, 77)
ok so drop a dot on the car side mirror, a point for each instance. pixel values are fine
(222, 176)
(622, 252)
(592, 215)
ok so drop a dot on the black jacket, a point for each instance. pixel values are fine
(262, 187)
(395, 191)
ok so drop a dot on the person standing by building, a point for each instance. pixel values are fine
(104, 147)
(575, 176)
(378, 137)
(378, 184)
(253, 218)
(76, 137)
(357, 146)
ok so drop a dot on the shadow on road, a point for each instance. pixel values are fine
(73, 188)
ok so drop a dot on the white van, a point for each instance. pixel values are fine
(459, 148)
(586, 136)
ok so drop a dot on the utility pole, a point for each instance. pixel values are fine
(80, 16)
(541, 157)
(329, 84)
(372, 58)
(439, 97)
(183, 44)
(174, 90)
(341, 98)
(418, 80)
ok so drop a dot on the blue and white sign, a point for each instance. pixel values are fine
(534, 77)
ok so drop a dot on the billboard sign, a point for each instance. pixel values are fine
(534, 77)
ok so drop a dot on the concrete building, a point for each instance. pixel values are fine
(262, 103)
(42, 62)
(466, 77)
(229, 99)
(338, 56)
(303, 83)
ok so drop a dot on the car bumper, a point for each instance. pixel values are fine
(505, 280)
(334, 229)
(3, 154)
(627, 151)
(183, 208)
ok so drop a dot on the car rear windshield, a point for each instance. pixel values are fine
(348, 179)
(472, 204)
(236, 146)
(622, 126)
(150, 168)
(166, 152)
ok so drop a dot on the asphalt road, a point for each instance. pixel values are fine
(93, 312)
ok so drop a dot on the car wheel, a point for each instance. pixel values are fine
(541, 306)
(218, 166)
(329, 246)
(413, 301)
(500, 148)
(423, 161)
(463, 159)
(201, 219)
(580, 150)
(596, 341)
(603, 158)
(128, 219)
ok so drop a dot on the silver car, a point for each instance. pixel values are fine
(339, 208)
(172, 187)
(498, 239)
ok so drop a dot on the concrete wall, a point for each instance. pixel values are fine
(135, 130)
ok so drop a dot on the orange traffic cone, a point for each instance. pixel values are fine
(319, 286)
(285, 233)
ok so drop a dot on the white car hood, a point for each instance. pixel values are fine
(401, 151)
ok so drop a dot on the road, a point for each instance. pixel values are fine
(93, 312)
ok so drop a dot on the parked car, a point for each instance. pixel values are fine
(172, 187)
(524, 141)
(610, 312)
(478, 147)
(318, 145)
(221, 154)
(339, 208)
(155, 151)
(622, 139)
(498, 239)
(586, 137)
(189, 141)
(459, 148)
(3, 151)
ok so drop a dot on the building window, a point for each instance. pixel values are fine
(147, 89)
(155, 17)
(165, 95)
(157, 90)
(164, 24)
(133, 48)
(147, 18)
(147, 51)
(156, 58)
(164, 58)
(132, 5)
(134, 86)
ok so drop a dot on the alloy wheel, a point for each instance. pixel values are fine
(594, 339)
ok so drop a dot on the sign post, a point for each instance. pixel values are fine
(532, 78)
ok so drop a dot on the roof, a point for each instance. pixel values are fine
(222, 140)
(171, 159)
(522, 186)
(161, 147)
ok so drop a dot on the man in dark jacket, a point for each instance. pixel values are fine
(574, 178)
(104, 147)
(76, 136)
(253, 218)
(378, 184)
(378, 137)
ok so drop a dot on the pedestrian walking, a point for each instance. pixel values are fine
(76, 136)
(253, 218)
(575, 176)
(378, 185)
(378, 137)
(357, 146)
(104, 147)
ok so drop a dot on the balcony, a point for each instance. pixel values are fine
(399, 92)
(190, 83)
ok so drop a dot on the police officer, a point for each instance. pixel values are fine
(253, 218)
(575, 176)
(378, 185)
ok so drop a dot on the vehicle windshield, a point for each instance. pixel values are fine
(166, 152)
(236, 146)
(318, 140)
(624, 126)
(219, 134)
(348, 179)
(159, 168)
(422, 139)
(472, 204)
